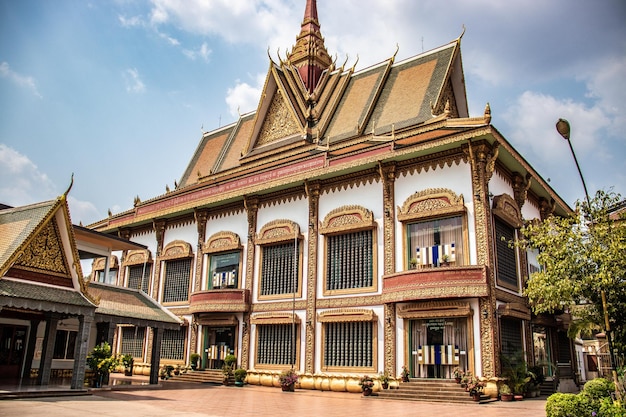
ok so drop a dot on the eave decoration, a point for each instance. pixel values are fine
(347, 218)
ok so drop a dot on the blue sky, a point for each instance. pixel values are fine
(118, 92)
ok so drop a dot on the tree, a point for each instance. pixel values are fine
(582, 256)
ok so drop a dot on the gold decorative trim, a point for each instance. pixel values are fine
(98, 264)
(274, 318)
(278, 231)
(344, 315)
(176, 250)
(221, 242)
(516, 310)
(432, 202)
(432, 309)
(505, 207)
(347, 218)
(137, 257)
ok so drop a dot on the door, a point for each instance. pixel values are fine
(12, 348)
(438, 345)
(218, 342)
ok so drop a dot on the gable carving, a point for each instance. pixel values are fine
(432, 202)
(347, 218)
(137, 257)
(278, 231)
(221, 241)
(505, 207)
(45, 253)
(279, 122)
(175, 250)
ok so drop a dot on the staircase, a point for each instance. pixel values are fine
(548, 387)
(207, 376)
(444, 390)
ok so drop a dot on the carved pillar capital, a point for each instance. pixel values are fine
(521, 185)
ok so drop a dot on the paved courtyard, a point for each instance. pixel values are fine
(190, 400)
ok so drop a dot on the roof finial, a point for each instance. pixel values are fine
(70, 187)
(309, 54)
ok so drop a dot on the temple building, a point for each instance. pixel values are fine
(358, 221)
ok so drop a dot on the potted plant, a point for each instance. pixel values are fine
(102, 362)
(240, 376)
(128, 361)
(505, 393)
(384, 379)
(166, 371)
(288, 380)
(194, 358)
(445, 260)
(367, 384)
(475, 388)
(458, 374)
(404, 375)
(228, 367)
(413, 263)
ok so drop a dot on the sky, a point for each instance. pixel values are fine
(118, 92)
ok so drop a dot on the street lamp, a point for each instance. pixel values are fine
(563, 127)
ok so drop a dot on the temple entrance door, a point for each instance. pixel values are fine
(218, 342)
(12, 348)
(438, 345)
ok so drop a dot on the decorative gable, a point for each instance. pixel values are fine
(279, 122)
(45, 254)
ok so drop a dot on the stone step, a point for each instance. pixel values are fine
(428, 390)
(204, 376)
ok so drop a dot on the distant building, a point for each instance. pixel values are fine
(356, 222)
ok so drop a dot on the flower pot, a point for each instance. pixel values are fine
(288, 388)
(458, 380)
(239, 383)
(518, 397)
(476, 397)
(385, 385)
(367, 392)
(506, 397)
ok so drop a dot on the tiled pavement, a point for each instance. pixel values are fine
(175, 399)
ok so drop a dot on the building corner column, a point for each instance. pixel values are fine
(313, 194)
(251, 205)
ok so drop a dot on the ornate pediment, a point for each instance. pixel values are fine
(46, 253)
(279, 122)
(430, 203)
(222, 241)
(347, 218)
(278, 231)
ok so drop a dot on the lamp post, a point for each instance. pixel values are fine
(563, 127)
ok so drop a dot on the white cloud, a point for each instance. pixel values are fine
(169, 39)
(21, 80)
(608, 86)
(129, 22)
(243, 97)
(203, 52)
(532, 120)
(134, 84)
(84, 212)
(21, 182)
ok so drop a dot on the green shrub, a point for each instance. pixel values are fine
(598, 388)
(608, 408)
(568, 405)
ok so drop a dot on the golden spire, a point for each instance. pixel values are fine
(309, 55)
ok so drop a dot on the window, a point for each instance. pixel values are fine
(110, 279)
(139, 277)
(224, 270)
(177, 277)
(64, 344)
(173, 344)
(132, 341)
(511, 336)
(350, 262)
(349, 344)
(275, 344)
(279, 269)
(430, 242)
(506, 262)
